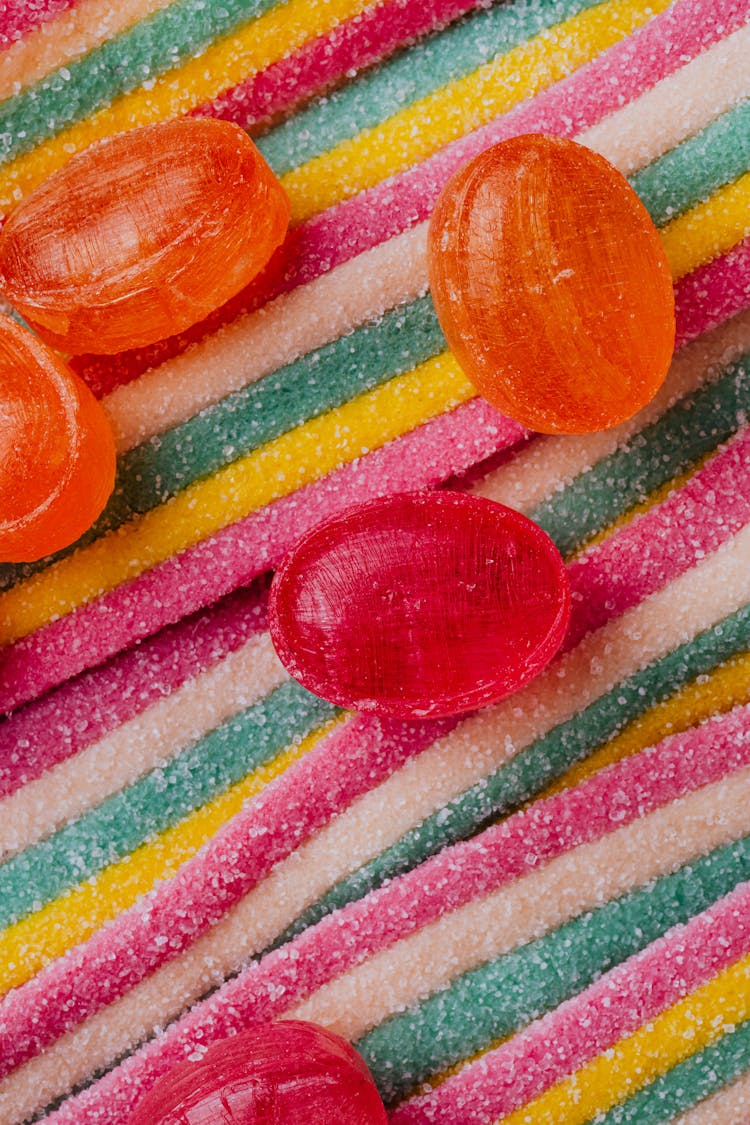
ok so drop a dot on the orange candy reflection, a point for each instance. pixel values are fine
(552, 286)
(142, 235)
(57, 454)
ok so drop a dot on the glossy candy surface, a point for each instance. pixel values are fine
(57, 454)
(552, 286)
(287, 1073)
(142, 235)
(420, 604)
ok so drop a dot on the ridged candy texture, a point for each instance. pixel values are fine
(552, 286)
(57, 453)
(420, 604)
(141, 235)
(288, 1073)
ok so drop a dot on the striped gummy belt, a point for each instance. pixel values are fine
(539, 913)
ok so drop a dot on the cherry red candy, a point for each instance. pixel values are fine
(288, 1073)
(420, 604)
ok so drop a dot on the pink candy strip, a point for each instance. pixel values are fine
(340, 233)
(307, 796)
(236, 555)
(609, 800)
(579, 1030)
(353, 45)
(713, 293)
(18, 17)
(84, 710)
(664, 542)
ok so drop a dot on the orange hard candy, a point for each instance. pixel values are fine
(141, 235)
(57, 453)
(552, 286)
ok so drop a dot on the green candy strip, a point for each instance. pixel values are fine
(498, 998)
(538, 765)
(693, 427)
(160, 799)
(409, 76)
(696, 169)
(151, 47)
(688, 1083)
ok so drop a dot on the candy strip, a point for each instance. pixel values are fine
(214, 568)
(110, 75)
(372, 99)
(463, 105)
(148, 741)
(84, 711)
(670, 40)
(698, 167)
(617, 1005)
(71, 33)
(157, 800)
(708, 86)
(441, 886)
(38, 938)
(622, 860)
(695, 1022)
(688, 1083)
(712, 293)
(351, 46)
(724, 215)
(499, 997)
(447, 762)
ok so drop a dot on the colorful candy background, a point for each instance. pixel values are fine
(539, 913)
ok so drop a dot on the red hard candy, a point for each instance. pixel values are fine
(423, 604)
(288, 1073)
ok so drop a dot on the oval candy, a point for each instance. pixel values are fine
(420, 604)
(57, 453)
(292, 1072)
(551, 285)
(142, 235)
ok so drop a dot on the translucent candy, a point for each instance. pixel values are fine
(142, 235)
(420, 604)
(57, 453)
(288, 1073)
(552, 286)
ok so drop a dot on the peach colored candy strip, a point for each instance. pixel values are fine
(259, 343)
(730, 1106)
(676, 108)
(448, 768)
(68, 36)
(551, 462)
(358, 290)
(500, 855)
(568, 885)
(144, 743)
(619, 1003)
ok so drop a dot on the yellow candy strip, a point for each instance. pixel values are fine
(224, 64)
(32, 942)
(683, 1030)
(466, 104)
(287, 463)
(715, 226)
